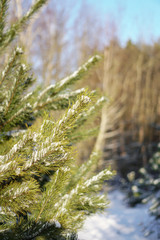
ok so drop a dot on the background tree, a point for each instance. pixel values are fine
(132, 135)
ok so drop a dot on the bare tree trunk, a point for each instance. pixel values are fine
(100, 142)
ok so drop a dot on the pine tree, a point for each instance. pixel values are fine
(43, 194)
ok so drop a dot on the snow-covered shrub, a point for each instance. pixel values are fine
(147, 186)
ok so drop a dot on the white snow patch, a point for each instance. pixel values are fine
(119, 222)
(85, 99)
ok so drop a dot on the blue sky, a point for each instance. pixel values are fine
(137, 19)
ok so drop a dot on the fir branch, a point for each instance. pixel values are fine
(52, 90)
(13, 31)
(91, 111)
(84, 171)
(7, 158)
(22, 114)
(45, 154)
(7, 221)
(48, 194)
(20, 83)
(59, 130)
(48, 146)
(3, 11)
(41, 192)
(85, 116)
(83, 188)
(12, 62)
(98, 179)
(19, 197)
(49, 198)
(91, 204)
(60, 101)
(15, 107)
(74, 112)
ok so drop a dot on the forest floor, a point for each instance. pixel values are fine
(121, 222)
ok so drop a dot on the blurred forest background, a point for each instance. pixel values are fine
(66, 34)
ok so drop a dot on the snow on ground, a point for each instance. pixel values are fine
(119, 222)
